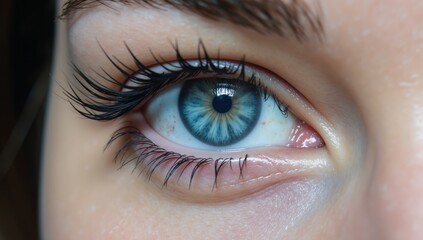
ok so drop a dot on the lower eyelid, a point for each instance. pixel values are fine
(264, 168)
(258, 173)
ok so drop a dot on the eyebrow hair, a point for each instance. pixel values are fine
(281, 17)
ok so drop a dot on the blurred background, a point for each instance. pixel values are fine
(26, 44)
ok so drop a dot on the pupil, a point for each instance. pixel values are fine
(222, 103)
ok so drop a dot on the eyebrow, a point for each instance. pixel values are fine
(281, 17)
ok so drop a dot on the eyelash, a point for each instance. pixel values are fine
(97, 95)
(180, 161)
(99, 102)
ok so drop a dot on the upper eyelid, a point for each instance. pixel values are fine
(92, 98)
(97, 101)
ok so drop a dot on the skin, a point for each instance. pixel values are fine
(361, 90)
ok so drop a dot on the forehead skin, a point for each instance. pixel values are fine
(374, 50)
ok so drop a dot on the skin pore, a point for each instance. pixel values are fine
(353, 75)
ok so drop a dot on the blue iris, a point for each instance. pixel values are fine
(217, 111)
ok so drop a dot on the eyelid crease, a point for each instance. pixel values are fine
(99, 102)
(294, 18)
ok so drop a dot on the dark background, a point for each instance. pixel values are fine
(26, 44)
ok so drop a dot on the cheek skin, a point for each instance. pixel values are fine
(385, 80)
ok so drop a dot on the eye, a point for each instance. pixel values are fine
(216, 134)
(222, 113)
(204, 130)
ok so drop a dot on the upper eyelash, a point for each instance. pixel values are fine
(180, 161)
(99, 102)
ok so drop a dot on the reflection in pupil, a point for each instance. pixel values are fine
(222, 103)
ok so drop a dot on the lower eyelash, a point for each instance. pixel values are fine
(141, 150)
